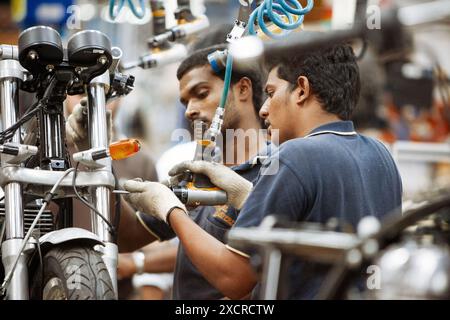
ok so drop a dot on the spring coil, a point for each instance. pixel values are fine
(290, 9)
(138, 14)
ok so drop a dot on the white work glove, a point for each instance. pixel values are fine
(77, 122)
(236, 187)
(152, 198)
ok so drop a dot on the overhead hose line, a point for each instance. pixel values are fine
(227, 81)
(114, 13)
(275, 11)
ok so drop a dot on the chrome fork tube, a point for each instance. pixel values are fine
(11, 73)
(98, 135)
(13, 193)
(99, 139)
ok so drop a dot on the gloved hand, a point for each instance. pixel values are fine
(152, 198)
(236, 187)
(76, 126)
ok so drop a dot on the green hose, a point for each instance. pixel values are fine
(227, 81)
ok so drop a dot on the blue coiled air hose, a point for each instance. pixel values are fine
(120, 5)
(275, 10)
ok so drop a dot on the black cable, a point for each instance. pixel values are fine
(9, 132)
(35, 107)
(112, 230)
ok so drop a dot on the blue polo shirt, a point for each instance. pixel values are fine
(331, 173)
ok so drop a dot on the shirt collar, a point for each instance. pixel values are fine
(338, 126)
(262, 155)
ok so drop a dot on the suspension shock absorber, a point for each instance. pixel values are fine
(11, 74)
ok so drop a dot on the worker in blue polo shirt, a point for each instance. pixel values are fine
(323, 167)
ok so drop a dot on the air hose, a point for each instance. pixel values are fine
(275, 11)
(227, 81)
(139, 14)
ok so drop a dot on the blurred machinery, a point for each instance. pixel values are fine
(402, 257)
(162, 46)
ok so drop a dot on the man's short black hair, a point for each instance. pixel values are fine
(332, 72)
(199, 58)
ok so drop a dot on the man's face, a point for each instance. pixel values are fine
(200, 93)
(278, 109)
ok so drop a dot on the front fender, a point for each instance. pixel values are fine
(68, 235)
(56, 238)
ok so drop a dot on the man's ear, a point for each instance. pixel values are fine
(303, 90)
(244, 89)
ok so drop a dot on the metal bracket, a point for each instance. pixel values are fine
(9, 51)
(241, 23)
(27, 176)
(12, 69)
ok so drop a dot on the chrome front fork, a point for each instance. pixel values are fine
(98, 135)
(11, 73)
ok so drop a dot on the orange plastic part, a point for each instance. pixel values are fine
(124, 148)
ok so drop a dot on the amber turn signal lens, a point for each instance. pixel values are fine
(124, 148)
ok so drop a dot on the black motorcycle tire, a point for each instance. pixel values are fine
(72, 272)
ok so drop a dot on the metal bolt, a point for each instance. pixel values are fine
(50, 67)
(32, 55)
(103, 60)
(78, 69)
